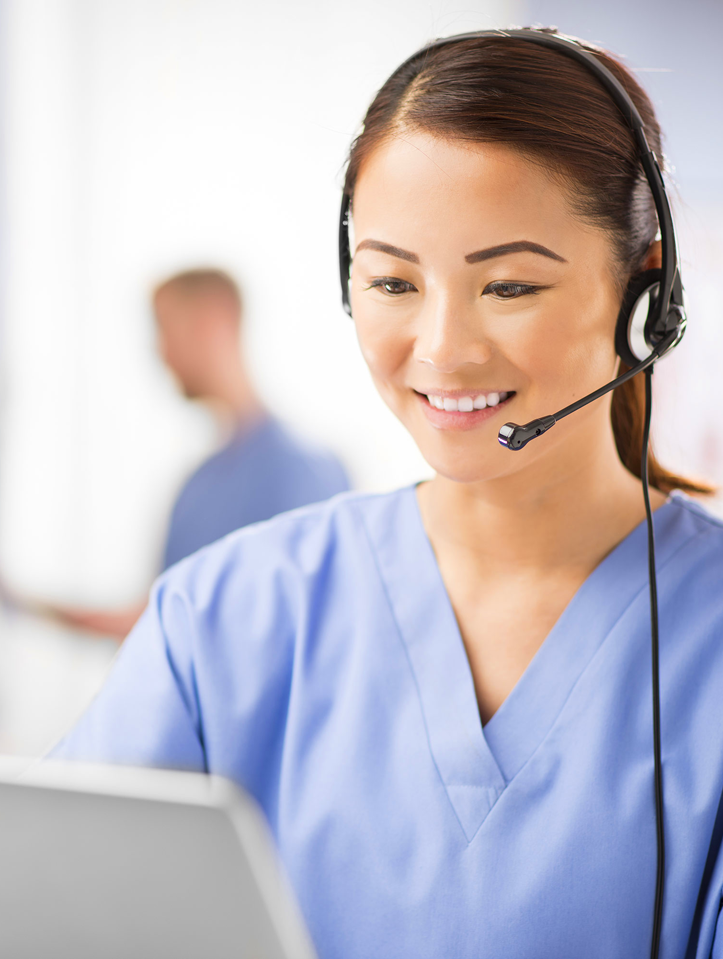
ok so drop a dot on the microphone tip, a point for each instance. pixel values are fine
(509, 436)
(506, 434)
(514, 437)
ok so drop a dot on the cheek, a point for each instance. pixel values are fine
(568, 353)
(386, 348)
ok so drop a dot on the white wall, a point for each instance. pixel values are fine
(141, 136)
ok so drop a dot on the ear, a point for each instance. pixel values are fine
(654, 257)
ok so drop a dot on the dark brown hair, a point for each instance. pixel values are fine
(555, 112)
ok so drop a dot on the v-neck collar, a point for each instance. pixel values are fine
(475, 765)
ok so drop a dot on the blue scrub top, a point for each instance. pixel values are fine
(316, 660)
(263, 471)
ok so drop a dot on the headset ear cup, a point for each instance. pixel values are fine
(628, 335)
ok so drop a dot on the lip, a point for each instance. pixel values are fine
(455, 421)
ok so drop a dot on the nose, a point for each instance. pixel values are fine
(450, 335)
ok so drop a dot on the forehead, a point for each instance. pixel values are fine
(427, 189)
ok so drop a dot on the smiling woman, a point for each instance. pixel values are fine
(440, 696)
(450, 320)
(579, 142)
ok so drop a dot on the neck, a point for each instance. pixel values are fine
(232, 397)
(568, 508)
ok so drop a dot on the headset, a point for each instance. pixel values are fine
(651, 322)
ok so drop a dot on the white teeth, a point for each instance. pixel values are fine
(466, 404)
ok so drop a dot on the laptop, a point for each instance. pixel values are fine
(108, 862)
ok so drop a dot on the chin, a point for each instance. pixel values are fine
(465, 462)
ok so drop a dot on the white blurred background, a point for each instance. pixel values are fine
(140, 137)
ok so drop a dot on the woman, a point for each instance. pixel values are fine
(441, 696)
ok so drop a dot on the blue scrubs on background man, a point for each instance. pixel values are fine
(315, 659)
(263, 471)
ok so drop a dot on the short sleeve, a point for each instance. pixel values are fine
(146, 713)
(204, 682)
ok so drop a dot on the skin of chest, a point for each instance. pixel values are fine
(503, 620)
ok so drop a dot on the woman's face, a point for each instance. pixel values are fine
(479, 298)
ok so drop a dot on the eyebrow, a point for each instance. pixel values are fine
(388, 248)
(519, 246)
(502, 249)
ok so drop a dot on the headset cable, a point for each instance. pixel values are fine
(655, 647)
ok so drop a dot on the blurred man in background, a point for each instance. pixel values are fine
(261, 471)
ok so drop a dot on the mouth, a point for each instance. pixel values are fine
(463, 411)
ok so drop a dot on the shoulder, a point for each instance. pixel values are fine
(205, 476)
(283, 551)
(270, 451)
(269, 462)
(277, 441)
(697, 534)
(689, 562)
(689, 553)
(240, 613)
(696, 512)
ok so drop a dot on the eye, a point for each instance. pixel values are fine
(391, 286)
(505, 290)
